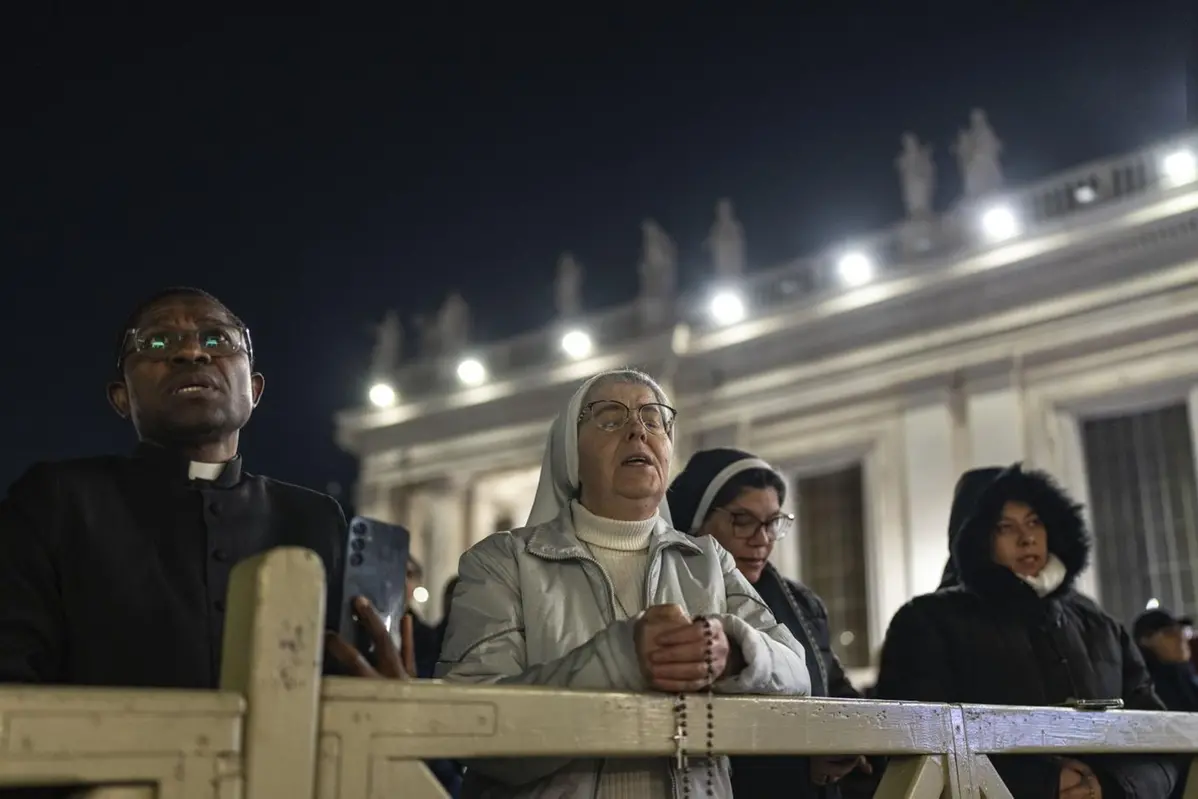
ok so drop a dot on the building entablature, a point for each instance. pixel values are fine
(1095, 264)
(984, 228)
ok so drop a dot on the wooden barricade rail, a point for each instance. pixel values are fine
(275, 729)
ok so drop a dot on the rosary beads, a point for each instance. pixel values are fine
(681, 719)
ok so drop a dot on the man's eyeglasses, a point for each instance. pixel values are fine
(746, 525)
(162, 343)
(611, 415)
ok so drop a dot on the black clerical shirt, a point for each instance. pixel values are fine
(114, 570)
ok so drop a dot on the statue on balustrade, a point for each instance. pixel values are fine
(659, 261)
(388, 346)
(978, 150)
(453, 325)
(727, 242)
(917, 173)
(567, 287)
(426, 335)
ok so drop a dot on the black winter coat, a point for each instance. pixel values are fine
(992, 640)
(1175, 683)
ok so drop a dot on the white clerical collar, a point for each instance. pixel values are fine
(204, 471)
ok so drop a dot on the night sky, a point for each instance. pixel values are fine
(313, 172)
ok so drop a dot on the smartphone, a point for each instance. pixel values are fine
(1095, 704)
(376, 567)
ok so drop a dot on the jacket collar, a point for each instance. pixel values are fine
(1001, 588)
(556, 539)
(176, 468)
(819, 677)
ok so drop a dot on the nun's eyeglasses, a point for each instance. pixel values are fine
(611, 415)
(746, 525)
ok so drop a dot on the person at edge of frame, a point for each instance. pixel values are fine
(1012, 630)
(114, 569)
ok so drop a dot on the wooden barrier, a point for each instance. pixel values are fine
(276, 730)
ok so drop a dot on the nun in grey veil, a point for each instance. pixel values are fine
(599, 591)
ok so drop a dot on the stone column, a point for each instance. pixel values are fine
(444, 530)
(927, 463)
(958, 408)
(1192, 404)
(787, 555)
(482, 511)
(998, 423)
(685, 445)
(1069, 466)
(416, 521)
(887, 541)
(469, 513)
(997, 428)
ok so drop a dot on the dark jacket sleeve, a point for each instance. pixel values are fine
(1135, 776)
(31, 616)
(915, 658)
(335, 530)
(856, 783)
(916, 666)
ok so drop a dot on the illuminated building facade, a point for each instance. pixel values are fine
(1056, 324)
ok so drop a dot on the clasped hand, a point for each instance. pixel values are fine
(673, 650)
(1078, 781)
(831, 769)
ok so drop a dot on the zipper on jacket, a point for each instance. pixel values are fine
(610, 616)
(655, 560)
(808, 632)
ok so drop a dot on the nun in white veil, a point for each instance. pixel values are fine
(559, 483)
(599, 591)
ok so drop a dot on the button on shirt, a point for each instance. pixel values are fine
(114, 570)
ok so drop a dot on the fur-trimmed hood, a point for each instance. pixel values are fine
(1068, 538)
(965, 495)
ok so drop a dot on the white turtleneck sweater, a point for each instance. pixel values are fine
(1050, 578)
(622, 549)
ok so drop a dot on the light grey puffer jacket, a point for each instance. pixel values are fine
(532, 607)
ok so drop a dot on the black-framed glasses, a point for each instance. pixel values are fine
(611, 415)
(162, 343)
(746, 525)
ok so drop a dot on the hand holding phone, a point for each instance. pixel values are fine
(388, 663)
(375, 632)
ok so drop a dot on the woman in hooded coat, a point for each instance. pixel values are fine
(1013, 631)
(599, 591)
(736, 498)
